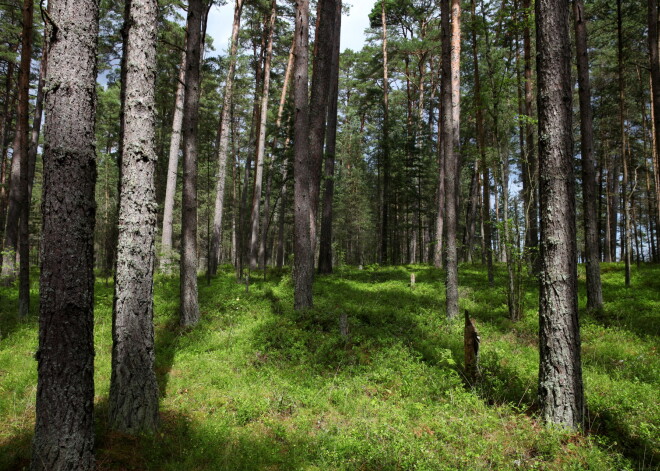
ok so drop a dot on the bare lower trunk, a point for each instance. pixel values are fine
(261, 147)
(654, 57)
(224, 143)
(133, 401)
(189, 299)
(386, 147)
(172, 170)
(560, 372)
(325, 248)
(64, 431)
(594, 291)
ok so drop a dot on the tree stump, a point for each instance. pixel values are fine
(471, 346)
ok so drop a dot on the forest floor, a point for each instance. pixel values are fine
(257, 386)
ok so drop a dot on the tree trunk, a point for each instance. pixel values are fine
(303, 271)
(23, 153)
(224, 143)
(64, 430)
(625, 235)
(172, 170)
(385, 147)
(451, 115)
(189, 301)
(7, 110)
(261, 146)
(560, 372)
(654, 57)
(133, 402)
(325, 248)
(17, 196)
(594, 291)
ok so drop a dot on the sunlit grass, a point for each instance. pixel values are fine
(258, 386)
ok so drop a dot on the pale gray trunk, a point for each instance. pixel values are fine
(133, 401)
(223, 144)
(261, 146)
(172, 170)
(64, 430)
(560, 371)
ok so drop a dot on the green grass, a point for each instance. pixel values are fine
(257, 386)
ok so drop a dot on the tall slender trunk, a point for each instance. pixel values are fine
(261, 145)
(560, 372)
(451, 114)
(16, 193)
(625, 236)
(325, 248)
(224, 143)
(189, 297)
(302, 244)
(530, 164)
(172, 169)
(64, 430)
(385, 146)
(133, 401)
(5, 123)
(23, 130)
(654, 58)
(590, 210)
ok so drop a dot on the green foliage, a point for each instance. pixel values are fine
(259, 386)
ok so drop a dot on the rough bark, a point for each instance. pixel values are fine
(64, 431)
(303, 271)
(325, 247)
(224, 142)
(451, 119)
(23, 132)
(560, 372)
(133, 402)
(386, 147)
(19, 162)
(5, 122)
(318, 107)
(471, 341)
(654, 58)
(590, 209)
(172, 170)
(189, 298)
(261, 146)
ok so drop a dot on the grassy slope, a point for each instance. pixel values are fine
(257, 386)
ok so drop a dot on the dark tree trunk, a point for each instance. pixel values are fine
(590, 209)
(189, 299)
(560, 372)
(133, 403)
(64, 431)
(19, 161)
(5, 123)
(325, 248)
(24, 147)
(654, 56)
(303, 270)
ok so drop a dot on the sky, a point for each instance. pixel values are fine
(352, 27)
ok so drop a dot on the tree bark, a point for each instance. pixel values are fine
(64, 431)
(172, 170)
(24, 152)
(386, 147)
(19, 164)
(560, 372)
(189, 298)
(451, 115)
(261, 146)
(654, 58)
(8, 106)
(325, 248)
(133, 402)
(303, 271)
(590, 209)
(224, 142)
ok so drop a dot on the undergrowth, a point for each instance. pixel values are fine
(257, 385)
